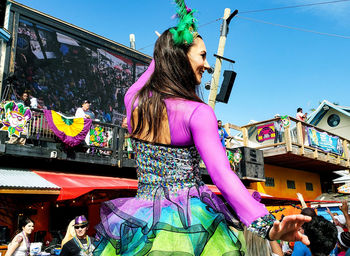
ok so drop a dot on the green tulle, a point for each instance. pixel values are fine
(186, 27)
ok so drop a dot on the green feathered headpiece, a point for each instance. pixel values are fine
(186, 29)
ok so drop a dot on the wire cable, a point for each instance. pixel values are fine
(295, 28)
(285, 26)
(295, 6)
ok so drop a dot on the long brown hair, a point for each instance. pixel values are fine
(173, 77)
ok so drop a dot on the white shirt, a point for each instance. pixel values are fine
(80, 113)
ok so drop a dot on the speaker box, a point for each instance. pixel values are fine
(2, 12)
(226, 86)
(251, 166)
(4, 235)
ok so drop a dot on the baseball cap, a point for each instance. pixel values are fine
(341, 219)
(80, 221)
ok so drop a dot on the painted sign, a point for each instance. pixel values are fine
(285, 121)
(324, 141)
(266, 132)
(15, 118)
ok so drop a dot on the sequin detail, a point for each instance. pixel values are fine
(169, 168)
(262, 225)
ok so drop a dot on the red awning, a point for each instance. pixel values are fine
(75, 185)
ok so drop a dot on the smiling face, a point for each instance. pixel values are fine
(28, 229)
(197, 56)
(81, 230)
(86, 106)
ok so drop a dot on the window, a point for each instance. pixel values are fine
(333, 120)
(291, 184)
(309, 186)
(270, 182)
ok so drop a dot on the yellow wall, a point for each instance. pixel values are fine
(281, 175)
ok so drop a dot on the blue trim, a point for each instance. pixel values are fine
(4, 34)
(318, 117)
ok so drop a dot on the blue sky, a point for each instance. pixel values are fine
(278, 69)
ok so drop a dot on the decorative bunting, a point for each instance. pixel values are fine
(15, 118)
(98, 137)
(277, 210)
(72, 131)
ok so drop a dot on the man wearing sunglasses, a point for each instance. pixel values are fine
(81, 244)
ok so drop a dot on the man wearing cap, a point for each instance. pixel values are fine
(84, 111)
(278, 129)
(81, 244)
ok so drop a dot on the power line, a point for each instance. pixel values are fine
(274, 9)
(210, 22)
(145, 47)
(295, 28)
(295, 6)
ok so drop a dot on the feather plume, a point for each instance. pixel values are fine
(186, 28)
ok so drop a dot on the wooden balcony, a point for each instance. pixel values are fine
(296, 150)
(42, 145)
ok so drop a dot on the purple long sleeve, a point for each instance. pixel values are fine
(195, 123)
(129, 96)
(203, 125)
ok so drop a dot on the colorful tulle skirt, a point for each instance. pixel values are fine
(190, 221)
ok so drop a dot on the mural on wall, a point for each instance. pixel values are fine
(62, 71)
(324, 141)
(14, 118)
(266, 132)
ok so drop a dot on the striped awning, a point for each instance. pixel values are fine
(24, 181)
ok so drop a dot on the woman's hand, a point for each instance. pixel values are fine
(288, 229)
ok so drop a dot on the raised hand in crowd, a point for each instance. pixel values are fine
(345, 210)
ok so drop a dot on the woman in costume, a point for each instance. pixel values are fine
(20, 244)
(174, 212)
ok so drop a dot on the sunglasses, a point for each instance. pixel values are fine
(82, 227)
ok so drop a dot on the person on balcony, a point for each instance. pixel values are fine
(84, 110)
(222, 134)
(300, 115)
(278, 129)
(25, 99)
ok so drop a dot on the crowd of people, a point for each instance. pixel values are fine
(325, 238)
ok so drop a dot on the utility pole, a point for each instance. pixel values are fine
(217, 71)
(132, 41)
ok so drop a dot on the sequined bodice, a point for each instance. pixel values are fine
(167, 167)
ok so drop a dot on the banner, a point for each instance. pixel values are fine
(72, 131)
(98, 137)
(14, 118)
(266, 132)
(324, 141)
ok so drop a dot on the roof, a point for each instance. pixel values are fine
(23, 179)
(323, 108)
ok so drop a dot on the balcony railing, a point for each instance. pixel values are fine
(112, 152)
(295, 139)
